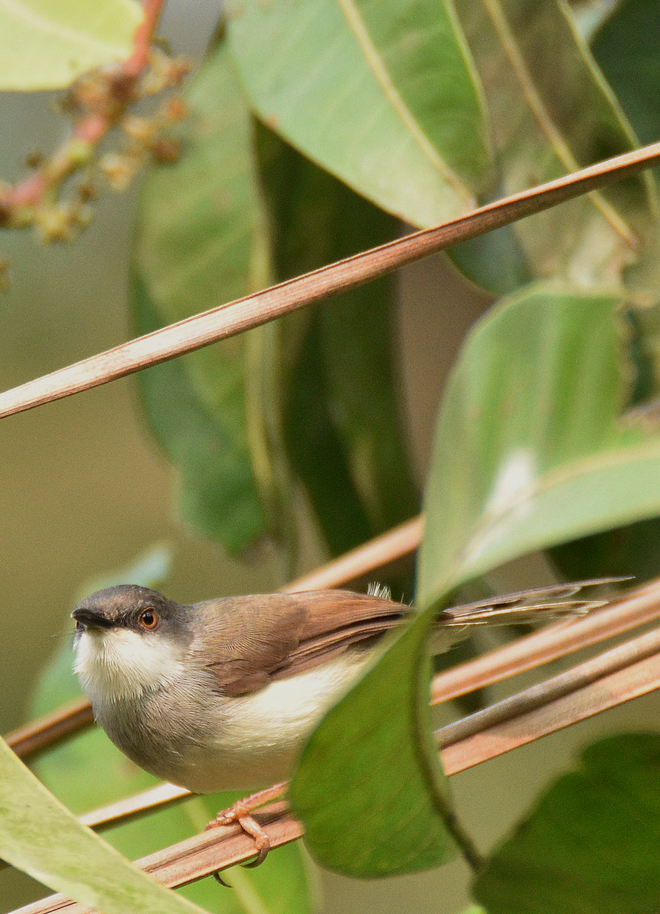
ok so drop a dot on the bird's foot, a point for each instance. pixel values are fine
(240, 813)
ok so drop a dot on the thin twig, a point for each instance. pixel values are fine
(604, 693)
(130, 808)
(253, 310)
(50, 729)
(365, 561)
(567, 683)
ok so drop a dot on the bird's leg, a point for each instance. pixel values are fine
(240, 813)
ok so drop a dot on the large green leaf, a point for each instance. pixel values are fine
(633, 550)
(46, 44)
(591, 844)
(41, 837)
(369, 788)
(200, 242)
(551, 112)
(379, 92)
(343, 429)
(90, 771)
(531, 448)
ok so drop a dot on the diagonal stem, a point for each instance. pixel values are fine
(254, 310)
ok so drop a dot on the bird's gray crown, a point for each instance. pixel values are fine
(121, 606)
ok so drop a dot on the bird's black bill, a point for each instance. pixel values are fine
(90, 619)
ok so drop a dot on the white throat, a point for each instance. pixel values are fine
(118, 664)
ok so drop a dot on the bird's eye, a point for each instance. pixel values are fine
(149, 619)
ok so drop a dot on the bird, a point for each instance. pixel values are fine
(222, 694)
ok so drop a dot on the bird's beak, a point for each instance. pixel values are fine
(90, 619)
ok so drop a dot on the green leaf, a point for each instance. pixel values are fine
(495, 261)
(531, 449)
(342, 424)
(39, 836)
(369, 789)
(200, 242)
(551, 112)
(89, 771)
(46, 44)
(631, 551)
(381, 94)
(627, 50)
(590, 846)
(234, 416)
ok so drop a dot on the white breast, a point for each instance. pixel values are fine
(257, 737)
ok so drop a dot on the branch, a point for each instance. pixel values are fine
(254, 310)
(612, 678)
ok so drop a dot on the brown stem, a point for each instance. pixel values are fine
(252, 311)
(144, 35)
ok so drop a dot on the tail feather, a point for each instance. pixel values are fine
(540, 604)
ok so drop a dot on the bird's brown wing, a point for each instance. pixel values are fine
(264, 637)
(260, 638)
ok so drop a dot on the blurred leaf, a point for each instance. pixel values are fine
(39, 836)
(627, 50)
(370, 789)
(551, 112)
(317, 452)
(591, 844)
(217, 410)
(200, 242)
(342, 422)
(46, 45)
(530, 447)
(89, 771)
(633, 550)
(494, 261)
(591, 15)
(627, 551)
(381, 94)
